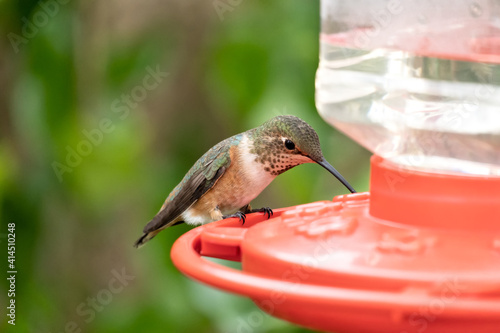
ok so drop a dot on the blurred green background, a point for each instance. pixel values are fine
(66, 69)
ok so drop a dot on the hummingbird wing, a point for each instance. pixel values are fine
(201, 178)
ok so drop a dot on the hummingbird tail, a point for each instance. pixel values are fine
(147, 236)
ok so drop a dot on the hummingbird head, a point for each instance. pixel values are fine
(284, 142)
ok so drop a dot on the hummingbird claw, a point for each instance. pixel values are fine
(266, 210)
(239, 215)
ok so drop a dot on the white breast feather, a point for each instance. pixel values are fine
(253, 171)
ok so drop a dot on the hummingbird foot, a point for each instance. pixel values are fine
(239, 215)
(266, 210)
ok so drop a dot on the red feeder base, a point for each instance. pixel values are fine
(420, 253)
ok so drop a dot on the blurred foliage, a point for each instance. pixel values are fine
(227, 72)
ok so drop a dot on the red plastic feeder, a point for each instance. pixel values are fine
(421, 252)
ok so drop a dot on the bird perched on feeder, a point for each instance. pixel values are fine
(232, 173)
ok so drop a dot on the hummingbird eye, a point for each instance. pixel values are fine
(289, 144)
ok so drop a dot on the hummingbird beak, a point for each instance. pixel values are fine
(324, 163)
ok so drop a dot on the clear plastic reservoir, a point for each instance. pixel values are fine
(416, 82)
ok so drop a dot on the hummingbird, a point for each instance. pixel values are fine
(223, 182)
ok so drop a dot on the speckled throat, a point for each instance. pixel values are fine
(268, 144)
